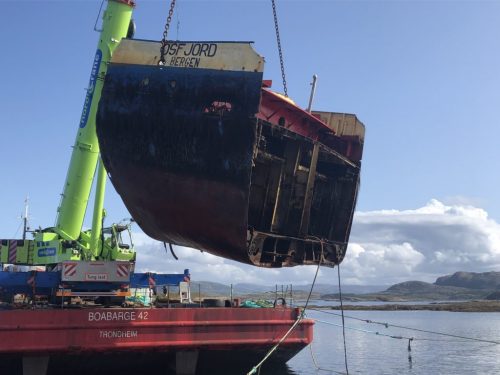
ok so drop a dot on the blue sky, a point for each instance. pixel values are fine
(423, 76)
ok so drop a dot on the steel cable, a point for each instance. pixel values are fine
(387, 325)
(256, 368)
(280, 52)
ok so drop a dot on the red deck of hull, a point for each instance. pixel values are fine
(97, 331)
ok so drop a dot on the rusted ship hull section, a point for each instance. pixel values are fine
(180, 155)
(207, 158)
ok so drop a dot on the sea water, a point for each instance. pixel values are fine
(369, 353)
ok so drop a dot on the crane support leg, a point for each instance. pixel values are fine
(185, 362)
(35, 365)
(98, 210)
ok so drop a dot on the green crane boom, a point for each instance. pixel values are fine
(67, 241)
(75, 196)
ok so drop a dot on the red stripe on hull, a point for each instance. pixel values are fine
(99, 330)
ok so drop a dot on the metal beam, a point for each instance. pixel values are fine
(306, 211)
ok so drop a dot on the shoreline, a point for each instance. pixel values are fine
(468, 306)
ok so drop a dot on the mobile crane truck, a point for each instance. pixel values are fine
(99, 261)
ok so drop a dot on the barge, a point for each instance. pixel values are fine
(184, 340)
(54, 321)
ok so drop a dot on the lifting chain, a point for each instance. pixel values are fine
(165, 33)
(279, 48)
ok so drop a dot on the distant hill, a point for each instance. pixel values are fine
(459, 286)
(414, 291)
(209, 288)
(421, 290)
(472, 280)
(247, 288)
(330, 288)
(495, 296)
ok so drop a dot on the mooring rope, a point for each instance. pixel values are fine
(343, 321)
(256, 368)
(318, 368)
(377, 333)
(387, 325)
(364, 330)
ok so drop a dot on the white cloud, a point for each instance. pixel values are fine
(375, 263)
(387, 246)
(423, 243)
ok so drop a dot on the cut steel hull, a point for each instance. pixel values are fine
(182, 170)
(204, 157)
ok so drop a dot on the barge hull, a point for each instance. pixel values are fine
(103, 336)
